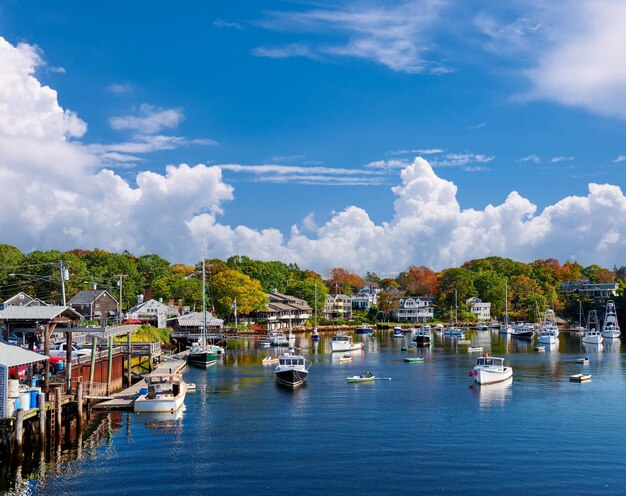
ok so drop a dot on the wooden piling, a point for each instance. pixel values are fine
(110, 365)
(57, 414)
(19, 430)
(130, 360)
(41, 404)
(79, 399)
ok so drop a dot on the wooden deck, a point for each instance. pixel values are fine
(125, 399)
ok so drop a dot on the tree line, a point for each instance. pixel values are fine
(530, 287)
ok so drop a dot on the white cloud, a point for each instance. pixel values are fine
(387, 164)
(395, 35)
(530, 158)
(461, 159)
(417, 151)
(120, 88)
(561, 158)
(149, 121)
(221, 23)
(583, 63)
(620, 158)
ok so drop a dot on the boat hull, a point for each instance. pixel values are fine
(169, 404)
(491, 376)
(345, 346)
(611, 334)
(202, 359)
(360, 379)
(291, 378)
(528, 335)
(421, 340)
(595, 339)
(551, 340)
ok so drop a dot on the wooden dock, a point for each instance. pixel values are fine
(125, 400)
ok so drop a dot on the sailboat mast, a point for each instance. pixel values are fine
(203, 300)
(315, 304)
(506, 302)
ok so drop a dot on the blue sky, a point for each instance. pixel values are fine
(340, 97)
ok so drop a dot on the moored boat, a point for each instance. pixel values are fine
(397, 332)
(592, 332)
(291, 370)
(413, 359)
(277, 338)
(365, 377)
(423, 336)
(474, 349)
(344, 342)
(363, 329)
(201, 355)
(583, 360)
(164, 393)
(580, 377)
(490, 369)
(610, 326)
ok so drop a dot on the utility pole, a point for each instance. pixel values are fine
(64, 277)
(119, 305)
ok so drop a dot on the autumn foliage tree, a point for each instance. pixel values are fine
(343, 281)
(419, 281)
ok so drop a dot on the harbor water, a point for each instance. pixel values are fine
(428, 430)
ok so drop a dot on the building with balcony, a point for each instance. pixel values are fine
(365, 298)
(414, 309)
(596, 290)
(338, 307)
(283, 312)
(481, 309)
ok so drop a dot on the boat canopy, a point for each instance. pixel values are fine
(499, 362)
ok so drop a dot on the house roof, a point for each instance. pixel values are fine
(11, 355)
(154, 303)
(22, 299)
(88, 297)
(195, 319)
(42, 313)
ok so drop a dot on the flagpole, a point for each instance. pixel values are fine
(235, 303)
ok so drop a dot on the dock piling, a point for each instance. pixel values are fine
(19, 430)
(41, 405)
(57, 414)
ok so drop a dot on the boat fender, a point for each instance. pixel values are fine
(470, 373)
(475, 372)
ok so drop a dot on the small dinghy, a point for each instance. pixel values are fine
(583, 360)
(470, 349)
(580, 377)
(540, 349)
(414, 359)
(366, 377)
(269, 360)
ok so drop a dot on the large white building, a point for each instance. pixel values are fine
(338, 306)
(365, 298)
(414, 309)
(153, 311)
(481, 309)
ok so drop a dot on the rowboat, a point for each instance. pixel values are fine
(414, 359)
(583, 360)
(580, 377)
(269, 360)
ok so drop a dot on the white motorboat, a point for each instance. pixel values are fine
(610, 326)
(592, 332)
(549, 323)
(439, 327)
(547, 337)
(489, 370)
(397, 332)
(344, 342)
(277, 338)
(291, 370)
(481, 326)
(164, 393)
(524, 330)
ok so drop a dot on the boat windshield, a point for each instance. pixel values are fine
(487, 361)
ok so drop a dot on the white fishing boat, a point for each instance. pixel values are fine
(164, 393)
(610, 326)
(524, 330)
(489, 370)
(277, 338)
(592, 332)
(291, 370)
(423, 336)
(549, 331)
(344, 342)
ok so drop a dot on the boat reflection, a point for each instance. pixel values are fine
(612, 344)
(162, 420)
(490, 395)
(593, 347)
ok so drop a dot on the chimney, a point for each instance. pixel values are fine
(94, 286)
(171, 302)
(180, 306)
(139, 299)
(160, 300)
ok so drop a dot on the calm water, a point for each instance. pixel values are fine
(425, 431)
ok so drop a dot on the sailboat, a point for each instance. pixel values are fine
(454, 330)
(506, 328)
(201, 354)
(610, 326)
(316, 335)
(581, 320)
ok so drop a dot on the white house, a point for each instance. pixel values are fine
(414, 309)
(365, 298)
(481, 309)
(153, 311)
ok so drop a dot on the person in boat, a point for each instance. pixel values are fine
(367, 374)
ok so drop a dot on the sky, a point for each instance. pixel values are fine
(369, 135)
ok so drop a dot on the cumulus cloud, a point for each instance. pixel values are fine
(561, 158)
(620, 158)
(530, 158)
(417, 151)
(149, 121)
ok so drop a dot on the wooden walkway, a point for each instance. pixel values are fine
(125, 400)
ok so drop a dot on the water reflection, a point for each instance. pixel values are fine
(490, 395)
(592, 347)
(169, 421)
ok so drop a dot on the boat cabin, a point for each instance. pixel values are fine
(488, 361)
(291, 360)
(342, 338)
(163, 384)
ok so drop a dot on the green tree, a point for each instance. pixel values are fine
(229, 285)
(491, 287)
(307, 289)
(10, 258)
(177, 286)
(387, 303)
(459, 279)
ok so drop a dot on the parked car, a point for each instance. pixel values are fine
(60, 350)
